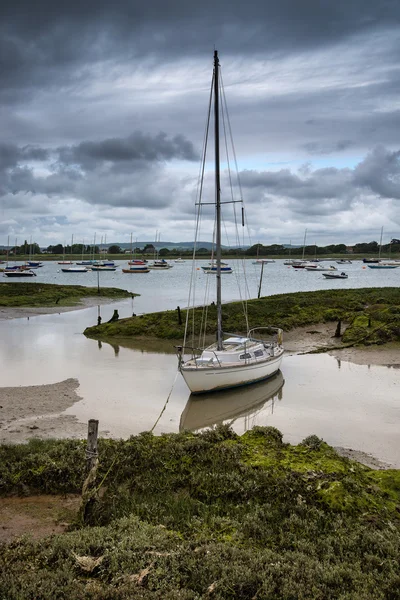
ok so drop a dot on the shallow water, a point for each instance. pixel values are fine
(162, 290)
(126, 388)
(354, 406)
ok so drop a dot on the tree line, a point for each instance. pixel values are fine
(261, 250)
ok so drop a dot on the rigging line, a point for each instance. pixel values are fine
(165, 405)
(192, 285)
(231, 137)
(225, 119)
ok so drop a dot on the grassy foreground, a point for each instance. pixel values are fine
(209, 515)
(48, 294)
(372, 315)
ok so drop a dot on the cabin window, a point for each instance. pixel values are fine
(258, 353)
(244, 356)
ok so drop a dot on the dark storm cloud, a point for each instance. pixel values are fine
(11, 154)
(318, 148)
(380, 172)
(313, 185)
(47, 41)
(122, 151)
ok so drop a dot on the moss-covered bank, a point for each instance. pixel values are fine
(209, 515)
(47, 294)
(371, 315)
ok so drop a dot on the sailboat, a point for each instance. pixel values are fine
(233, 360)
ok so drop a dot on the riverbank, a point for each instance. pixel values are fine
(25, 312)
(29, 412)
(198, 516)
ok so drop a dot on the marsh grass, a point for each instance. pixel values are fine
(357, 308)
(47, 294)
(210, 515)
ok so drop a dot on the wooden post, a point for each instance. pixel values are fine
(89, 490)
(337, 332)
(179, 315)
(261, 278)
(91, 450)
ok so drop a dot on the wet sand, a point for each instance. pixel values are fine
(35, 411)
(8, 312)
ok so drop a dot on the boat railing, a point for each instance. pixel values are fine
(272, 331)
(194, 351)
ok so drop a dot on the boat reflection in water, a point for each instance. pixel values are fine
(228, 405)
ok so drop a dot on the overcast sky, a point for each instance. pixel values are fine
(103, 108)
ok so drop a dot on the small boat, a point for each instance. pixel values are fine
(233, 360)
(343, 261)
(212, 268)
(261, 261)
(179, 260)
(383, 266)
(19, 273)
(75, 270)
(65, 262)
(302, 264)
(160, 265)
(34, 264)
(320, 268)
(137, 269)
(371, 260)
(102, 268)
(103, 263)
(335, 275)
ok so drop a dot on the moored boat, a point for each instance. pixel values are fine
(19, 273)
(335, 275)
(160, 265)
(233, 360)
(75, 270)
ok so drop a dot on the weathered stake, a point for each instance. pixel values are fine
(338, 327)
(91, 450)
(89, 490)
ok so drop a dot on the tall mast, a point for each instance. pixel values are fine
(217, 200)
(304, 244)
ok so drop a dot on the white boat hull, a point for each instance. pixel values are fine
(206, 379)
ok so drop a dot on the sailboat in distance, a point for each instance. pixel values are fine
(233, 360)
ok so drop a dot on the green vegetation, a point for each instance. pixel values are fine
(372, 316)
(209, 515)
(48, 294)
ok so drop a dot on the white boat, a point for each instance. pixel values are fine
(260, 261)
(319, 268)
(343, 261)
(335, 275)
(234, 360)
(75, 270)
(179, 260)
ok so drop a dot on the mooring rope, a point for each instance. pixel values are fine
(165, 405)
